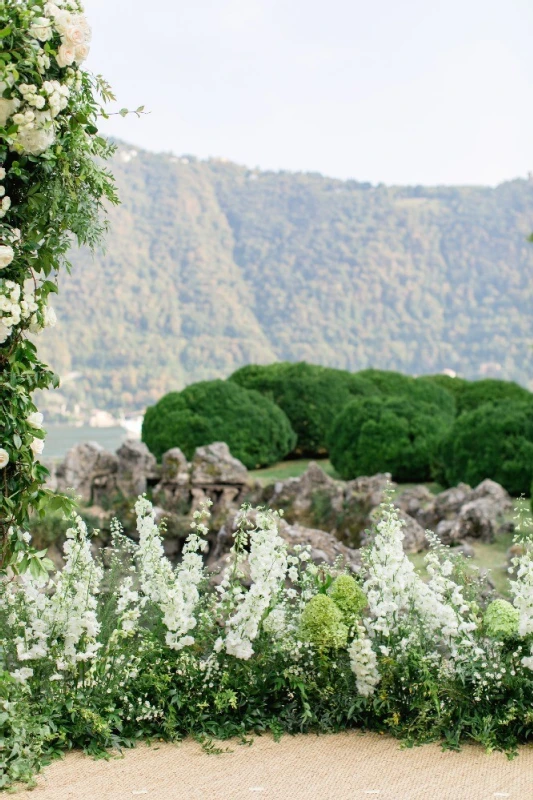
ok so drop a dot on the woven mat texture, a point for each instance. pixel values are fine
(348, 766)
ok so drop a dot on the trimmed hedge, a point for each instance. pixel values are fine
(474, 394)
(256, 431)
(311, 396)
(386, 434)
(419, 390)
(493, 441)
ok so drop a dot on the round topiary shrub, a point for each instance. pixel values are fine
(474, 394)
(493, 441)
(310, 396)
(386, 434)
(321, 624)
(256, 431)
(419, 390)
(501, 619)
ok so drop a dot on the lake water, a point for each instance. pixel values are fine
(60, 438)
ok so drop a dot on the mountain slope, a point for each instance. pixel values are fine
(210, 265)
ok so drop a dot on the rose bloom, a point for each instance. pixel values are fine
(35, 420)
(4, 458)
(65, 55)
(82, 53)
(75, 35)
(6, 255)
(41, 29)
(7, 109)
(37, 446)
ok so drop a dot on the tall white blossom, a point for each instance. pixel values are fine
(268, 571)
(364, 663)
(175, 592)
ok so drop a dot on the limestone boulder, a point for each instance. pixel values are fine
(174, 489)
(444, 506)
(214, 464)
(414, 500)
(306, 498)
(89, 470)
(137, 468)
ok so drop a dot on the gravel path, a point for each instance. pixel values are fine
(348, 766)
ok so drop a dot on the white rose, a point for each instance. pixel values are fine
(6, 255)
(2, 173)
(82, 53)
(41, 29)
(65, 55)
(35, 420)
(75, 35)
(51, 10)
(37, 446)
(7, 109)
(4, 458)
(63, 20)
(36, 140)
(49, 317)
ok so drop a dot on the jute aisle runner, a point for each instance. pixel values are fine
(348, 766)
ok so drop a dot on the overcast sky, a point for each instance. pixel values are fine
(393, 91)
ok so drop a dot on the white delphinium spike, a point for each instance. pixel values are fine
(522, 588)
(454, 616)
(175, 592)
(73, 607)
(390, 574)
(364, 663)
(398, 598)
(268, 571)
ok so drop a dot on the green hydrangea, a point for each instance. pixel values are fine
(501, 620)
(349, 598)
(322, 624)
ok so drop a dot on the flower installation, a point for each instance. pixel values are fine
(125, 646)
(52, 186)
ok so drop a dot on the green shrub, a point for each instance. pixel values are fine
(476, 393)
(309, 395)
(256, 431)
(419, 390)
(493, 441)
(322, 625)
(380, 434)
(349, 598)
(501, 619)
(452, 385)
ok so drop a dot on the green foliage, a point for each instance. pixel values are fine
(349, 598)
(322, 624)
(21, 734)
(256, 431)
(418, 390)
(391, 434)
(309, 395)
(501, 619)
(290, 267)
(55, 184)
(476, 393)
(493, 441)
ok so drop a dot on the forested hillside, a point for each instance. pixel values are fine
(210, 266)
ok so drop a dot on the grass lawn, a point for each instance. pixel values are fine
(487, 556)
(290, 469)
